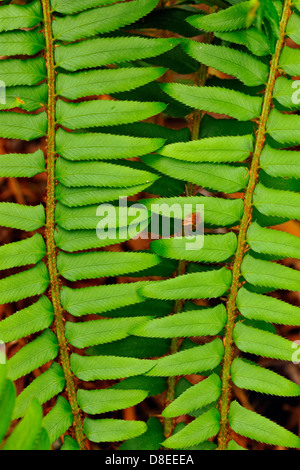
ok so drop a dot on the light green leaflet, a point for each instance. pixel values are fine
(100, 20)
(246, 68)
(263, 343)
(20, 16)
(99, 82)
(273, 242)
(278, 203)
(102, 401)
(29, 320)
(22, 217)
(202, 428)
(190, 361)
(285, 92)
(290, 61)
(216, 248)
(78, 174)
(265, 308)
(100, 299)
(191, 323)
(22, 71)
(225, 178)
(25, 284)
(280, 163)
(96, 146)
(32, 356)
(206, 285)
(27, 98)
(45, 386)
(259, 428)
(28, 251)
(195, 397)
(91, 333)
(230, 19)
(108, 367)
(216, 100)
(252, 38)
(284, 128)
(104, 113)
(22, 165)
(67, 7)
(21, 42)
(103, 51)
(22, 126)
(58, 420)
(214, 149)
(110, 430)
(94, 265)
(250, 376)
(217, 211)
(270, 274)
(87, 195)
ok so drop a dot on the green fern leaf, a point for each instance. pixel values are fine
(284, 128)
(259, 307)
(192, 323)
(95, 146)
(214, 149)
(22, 165)
(20, 16)
(44, 387)
(190, 286)
(23, 126)
(99, 299)
(103, 51)
(195, 397)
(252, 38)
(246, 68)
(25, 284)
(274, 202)
(27, 98)
(70, 444)
(64, 6)
(233, 18)
(216, 248)
(190, 361)
(81, 174)
(262, 343)
(100, 20)
(202, 428)
(32, 319)
(216, 100)
(21, 217)
(21, 42)
(35, 354)
(58, 420)
(101, 401)
(250, 376)
(28, 432)
(23, 72)
(224, 178)
(280, 163)
(268, 274)
(7, 401)
(106, 430)
(273, 242)
(28, 251)
(94, 332)
(150, 440)
(290, 61)
(283, 93)
(108, 367)
(104, 113)
(93, 265)
(252, 425)
(99, 82)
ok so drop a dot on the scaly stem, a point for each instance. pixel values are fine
(59, 321)
(225, 398)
